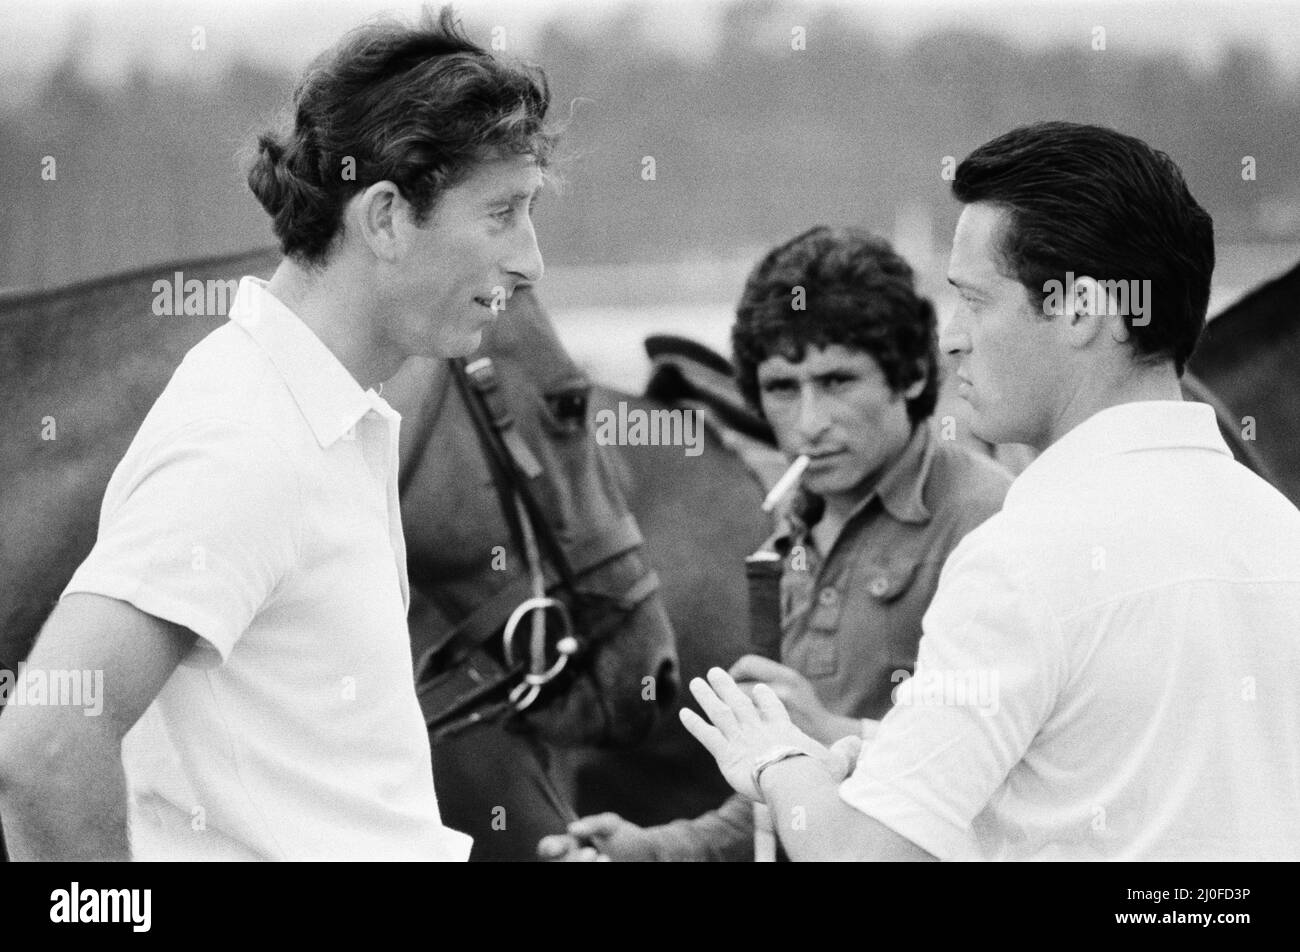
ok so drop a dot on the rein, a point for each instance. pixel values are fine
(524, 674)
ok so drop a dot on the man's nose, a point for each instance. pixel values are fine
(813, 418)
(526, 257)
(953, 338)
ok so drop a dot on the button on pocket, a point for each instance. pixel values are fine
(826, 611)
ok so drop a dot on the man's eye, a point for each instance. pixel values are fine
(778, 387)
(504, 214)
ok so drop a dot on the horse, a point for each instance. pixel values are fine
(1249, 357)
(79, 368)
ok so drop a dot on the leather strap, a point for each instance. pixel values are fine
(485, 621)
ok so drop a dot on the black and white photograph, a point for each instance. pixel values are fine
(632, 431)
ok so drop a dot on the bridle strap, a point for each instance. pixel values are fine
(513, 460)
(444, 724)
(515, 468)
(484, 622)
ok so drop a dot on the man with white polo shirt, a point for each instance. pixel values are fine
(247, 594)
(1107, 669)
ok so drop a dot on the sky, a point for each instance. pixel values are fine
(35, 33)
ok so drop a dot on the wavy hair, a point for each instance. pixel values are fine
(419, 106)
(857, 293)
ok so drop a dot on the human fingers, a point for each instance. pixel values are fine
(742, 708)
(849, 749)
(555, 846)
(769, 705)
(587, 854)
(708, 735)
(752, 667)
(598, 824)
(718, 711)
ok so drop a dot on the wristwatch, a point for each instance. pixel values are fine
(773, 756)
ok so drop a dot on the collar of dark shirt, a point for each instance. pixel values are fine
(900, 491)
(330, 399)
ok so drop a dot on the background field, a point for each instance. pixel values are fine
(753, 139)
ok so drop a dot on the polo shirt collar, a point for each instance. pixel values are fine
(329, 398)
(1126, 428)
(900, 490)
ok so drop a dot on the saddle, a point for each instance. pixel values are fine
(692, 375)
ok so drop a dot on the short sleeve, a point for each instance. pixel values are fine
(990, 667)
(198, 528)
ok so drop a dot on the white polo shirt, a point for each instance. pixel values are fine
(257, 506)
(1109, 668)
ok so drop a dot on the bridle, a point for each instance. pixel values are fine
(525, 673)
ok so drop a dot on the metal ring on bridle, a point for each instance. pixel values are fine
(522, 695)
(567, 644)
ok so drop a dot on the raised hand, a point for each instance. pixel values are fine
(744, 730)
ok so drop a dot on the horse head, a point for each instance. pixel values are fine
(468, 536)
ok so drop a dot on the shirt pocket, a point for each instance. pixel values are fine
(821, 643)
(894, 589)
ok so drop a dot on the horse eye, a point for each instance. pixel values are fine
(569, 408)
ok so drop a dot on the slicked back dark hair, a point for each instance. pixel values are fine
(856, 292)
(1093, 201)
(419, 106)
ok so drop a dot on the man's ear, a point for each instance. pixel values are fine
(374, 215)
(916, 387)
(1089, 310)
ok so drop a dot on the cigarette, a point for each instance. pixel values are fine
(786, 483)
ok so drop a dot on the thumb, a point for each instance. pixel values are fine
(848, 748)
(598, 824)
(555, 846)
(754, 667)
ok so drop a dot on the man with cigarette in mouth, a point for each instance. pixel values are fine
(837, 350)
(247, 595)
(1137, 599)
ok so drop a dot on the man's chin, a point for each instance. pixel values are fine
(981, 429)
(989, 430)
(828, 485)
(460, 347)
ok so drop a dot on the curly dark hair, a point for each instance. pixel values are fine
(857, 293)
(419, 106)
(1093, 201)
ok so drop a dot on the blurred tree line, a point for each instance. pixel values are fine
(755, 141)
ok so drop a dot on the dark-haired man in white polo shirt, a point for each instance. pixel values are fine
(1107, 670)
(246, 597)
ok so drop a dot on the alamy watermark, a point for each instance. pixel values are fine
(179, 296)
(972, 687)
(37, 687)
(77, 905)
(637, 426)
(1131, 298)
